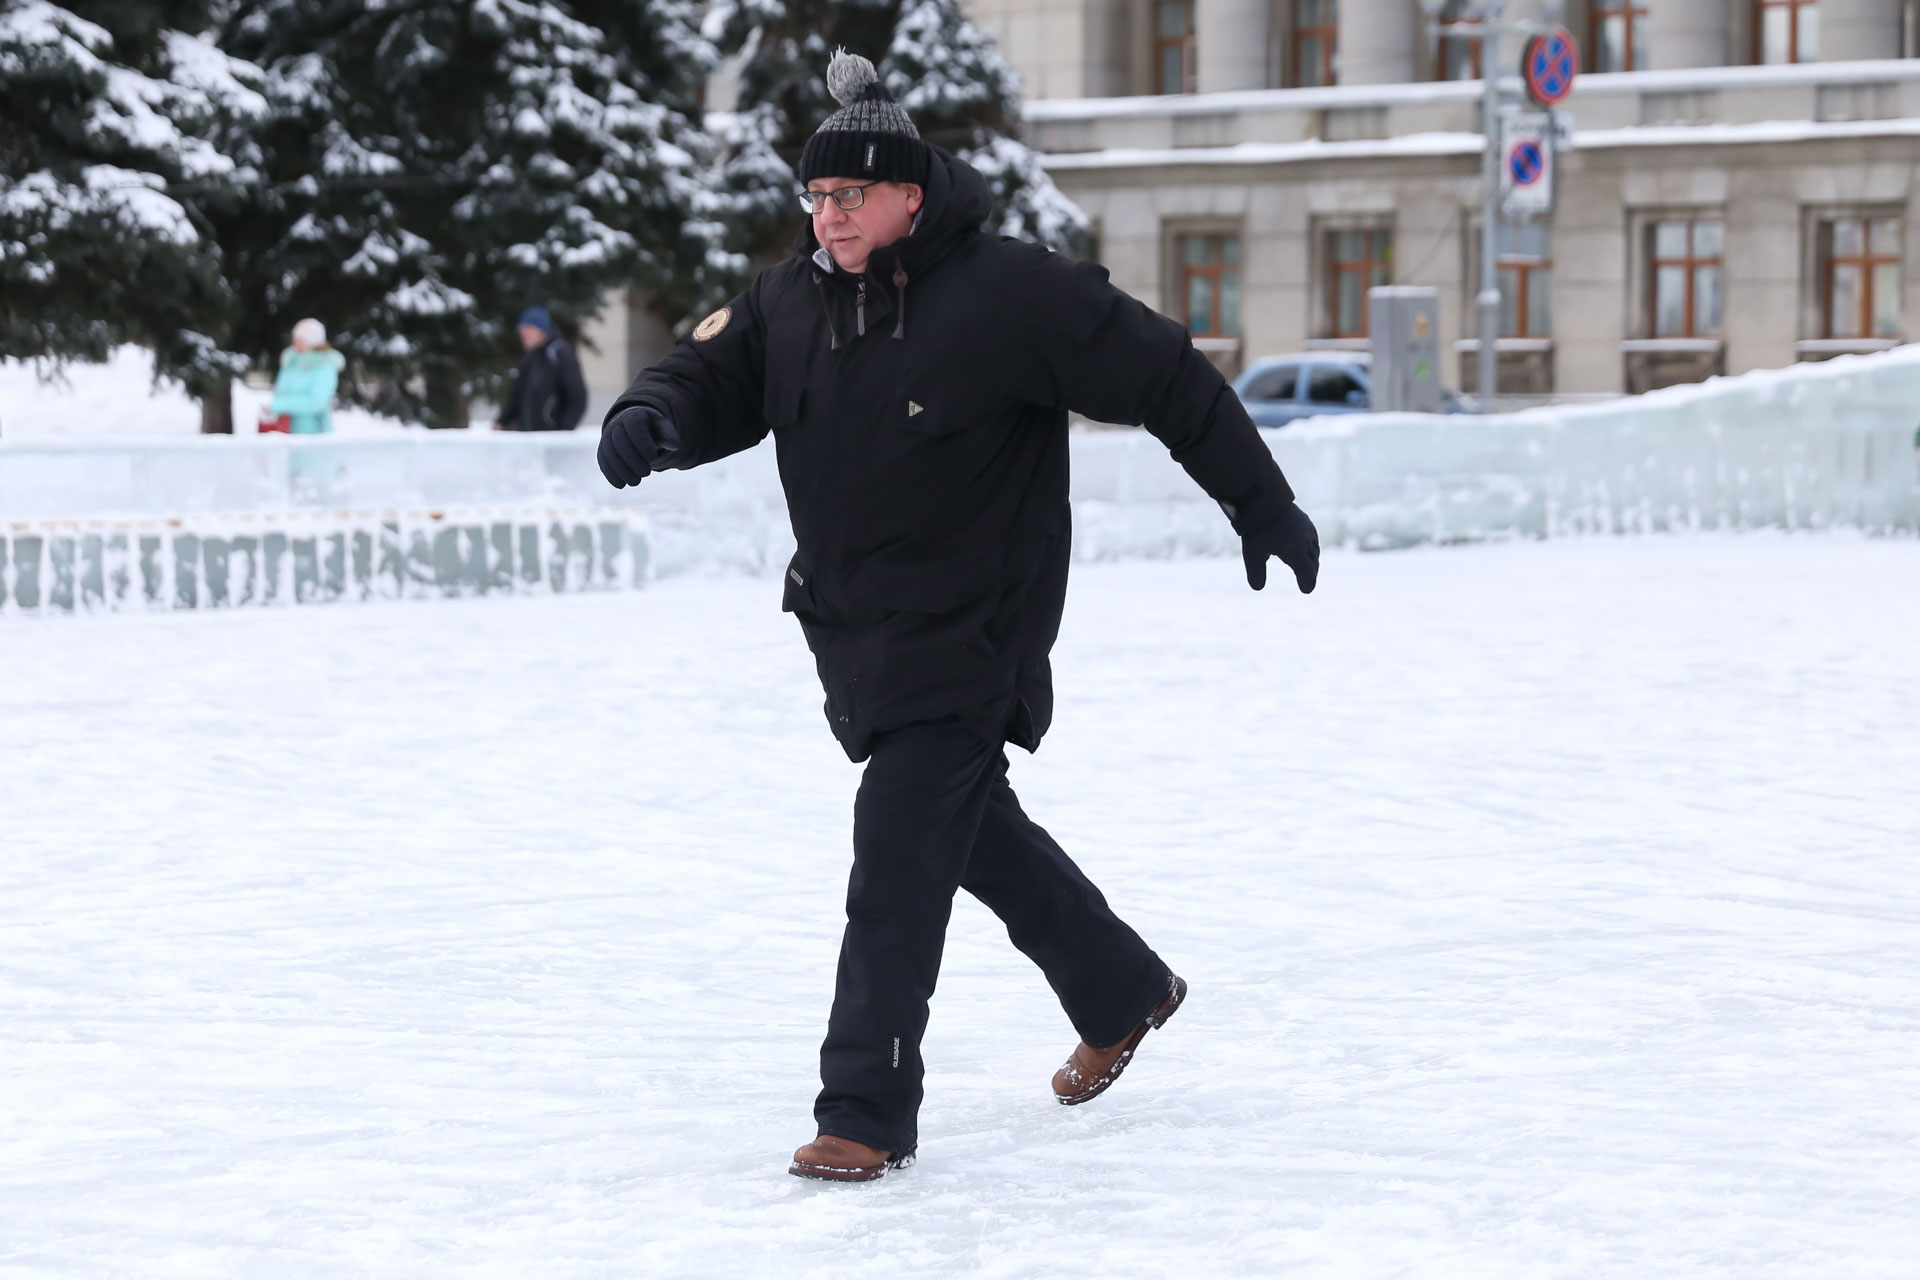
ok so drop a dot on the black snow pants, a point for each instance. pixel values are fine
(935, 814)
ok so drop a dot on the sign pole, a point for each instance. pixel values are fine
(1488, 362)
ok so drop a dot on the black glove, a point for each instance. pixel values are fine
(1293, 538)
(634, 443)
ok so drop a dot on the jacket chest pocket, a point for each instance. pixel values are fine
(943, 411)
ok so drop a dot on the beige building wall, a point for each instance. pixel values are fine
(1768, 153)
(615, 346)
(1103, 48)
(1851, 30)
(1061, 48)
(1769, 199)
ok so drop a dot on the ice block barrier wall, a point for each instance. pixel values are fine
(207, 562)
(1814, 446)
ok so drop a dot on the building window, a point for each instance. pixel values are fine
(1686, 286)
(1459, 54)
(1525, 271)
(1316, 24)
(1619, 35)
(1357, 260)
(1210, 284)
(1173, 70)
(1786, 31)
(1860, 278)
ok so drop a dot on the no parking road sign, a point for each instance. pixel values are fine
(1526, 164)
(1548, 65)
(1526, 161)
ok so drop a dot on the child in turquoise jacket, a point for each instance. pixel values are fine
(309, 374)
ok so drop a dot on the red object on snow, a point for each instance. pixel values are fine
(282, 422)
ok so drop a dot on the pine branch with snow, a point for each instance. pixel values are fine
(438, 168)
(106, 112)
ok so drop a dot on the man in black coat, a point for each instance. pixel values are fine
(916, 375)
(548, 392)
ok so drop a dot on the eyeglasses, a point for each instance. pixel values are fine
(845, 197)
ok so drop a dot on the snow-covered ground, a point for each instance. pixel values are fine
(1550, 910)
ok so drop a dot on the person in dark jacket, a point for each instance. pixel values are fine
(548, 392)
(916, 375)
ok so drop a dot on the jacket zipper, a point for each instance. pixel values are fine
(860, 311)
(826, 308)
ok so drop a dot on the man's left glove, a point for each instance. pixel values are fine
(1293, 538)
(633, 443)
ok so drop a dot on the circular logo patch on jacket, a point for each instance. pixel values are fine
(712, 325)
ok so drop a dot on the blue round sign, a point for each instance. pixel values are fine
(1548, 65)
(1526, 162)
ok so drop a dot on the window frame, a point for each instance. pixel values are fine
(1328, 31)
(1526, 267)
(1793, 8)
(1826, 260)
(1335, 267)
(1691, 262)
(1444, 46)
(1214, 269)
(1632, 13)
(1185, 43)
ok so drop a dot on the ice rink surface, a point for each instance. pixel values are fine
(1551, 910)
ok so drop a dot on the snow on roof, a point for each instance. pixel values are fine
(1804, 73)
(1668, 135)
(1436, 144)
(1243, 153)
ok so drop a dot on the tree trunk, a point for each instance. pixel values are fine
(216, 410)
(448, 403)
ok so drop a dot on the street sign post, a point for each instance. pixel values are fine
(1563, 139)
(1526, 164)
(1516, 173)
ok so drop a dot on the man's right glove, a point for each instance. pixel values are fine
(1293, 538)
(634, 443)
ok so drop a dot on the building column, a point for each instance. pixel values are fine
(1230, 44)
(1851, 30)
(1377, 41)
(1689, 33)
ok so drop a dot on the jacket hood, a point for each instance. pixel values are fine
(315, 358)
(958, 202)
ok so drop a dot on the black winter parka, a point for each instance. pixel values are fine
(549, 394)
(920, 411)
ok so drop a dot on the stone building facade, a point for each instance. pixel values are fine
(1741, 194)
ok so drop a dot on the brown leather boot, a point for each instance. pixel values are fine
(834, 1159)
(1089, 1071)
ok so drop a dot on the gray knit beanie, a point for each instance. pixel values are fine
(870, 137)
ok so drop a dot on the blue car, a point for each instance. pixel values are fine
(1279, 389)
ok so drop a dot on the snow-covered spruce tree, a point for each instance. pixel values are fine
(961, 94)
(434, 169)
(964, 96)
(109, 109)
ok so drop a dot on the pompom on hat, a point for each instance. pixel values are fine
(870, 138)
